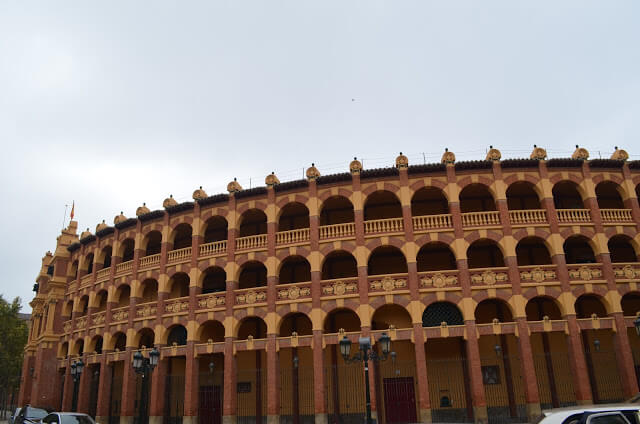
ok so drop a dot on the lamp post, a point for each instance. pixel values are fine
(365, 355)
(76, 372)
(144, 367)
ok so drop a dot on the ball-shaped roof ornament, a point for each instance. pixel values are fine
(355, 167)
(199, 194)
(620, 154)
(312, 172)
(234, 186)
(101, 226)
(119, 218)
(402, 161)
(538, 153)
(580, 153)
(493, 154)
(142, 210)
(271, 180)
(448, 158)
(169, 202)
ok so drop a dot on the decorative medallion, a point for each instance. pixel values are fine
(537, 275)
(294, 293)
(120, 315)
(149, 310)
(211, 301)
(98, 319)
(629, 272)
(177, 307)
(489, 278)
(251, 297)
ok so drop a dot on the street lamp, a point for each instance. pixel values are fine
(144, 367)
(76, 372)
(365, 355)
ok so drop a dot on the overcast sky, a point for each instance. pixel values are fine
(116, 103)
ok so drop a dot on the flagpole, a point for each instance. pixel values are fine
(64, 217)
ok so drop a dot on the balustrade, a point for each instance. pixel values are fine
(103, 274)
(213, 248)
(573, 215)
(616, 215)
(478, 219)
(180, 255)
(390, 225)
(432, 222)
(72, 286)
(97, 318)
(124, 267)
(347, 229)
(251, 242)
(149, 261)
(292, 236)
(528, 216)
(85, 280)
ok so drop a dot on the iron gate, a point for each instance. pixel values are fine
(115, 398)
(555, 383)
(296, 396)
(396, 391)
(210, 397)
(251, 388)
(504, 389)
(603, 376)
(93, 390)
(174, 399)
(345, 393)
(448, 390)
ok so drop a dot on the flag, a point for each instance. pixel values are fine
(73, 206)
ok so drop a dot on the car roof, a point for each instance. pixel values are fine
(75, 414)
(572, 410)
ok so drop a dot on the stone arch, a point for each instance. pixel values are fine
(568, 194)
(105, 256)
(152, 243)
(341, 318)
(252, 274)
(610, 195)
(295, 321)
(622, 248)
(435, 256)
(181, 236)
(144, 337)
(540, 306)
(118, 341)
(87, 264)
(438, 312)
(215, 229)
(126, 249)
(382, 204)
(522, 195)
(591, 303)
(485, 253)
(630, 304)
(63, 350)
(339, 264)
(68, 308)
(178, 285)
(477, 197)
(389, 315)
(78, 347)
(100, 300)
(294, 269)
(95, 345)
(336, 210)
(293, 216)
(210, 330)
(175, 334)
(493, 308)
(386, 260)
(149, 290)
(252, 222)
(533, 251)
(122, 295)
(213, 280)
(429, 201)
(251, 326)
(578, 249)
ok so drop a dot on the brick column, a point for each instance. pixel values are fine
(128, 389)
(67, 396)
(191, 386)
(24, 396)
(84, 387)
(424, 402)
(230, 396)
(624, 357)
(273, 381)
(475, 373)
(43, 388)
(157, 393)
(578, 363)
(104, 391)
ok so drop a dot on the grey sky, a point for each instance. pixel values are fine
(117, 102)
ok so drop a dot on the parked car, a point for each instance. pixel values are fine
(620, 413)
(13, 416)
(67, 418)
(29, 415)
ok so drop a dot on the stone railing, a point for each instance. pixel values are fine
(438, 279)
(616, 215)
(146, 310)
(149, 261)
(67, 325)
(537, 273)
(479, 219)
(124, 267)
(432, 222)
(251, 242)
(387, 283)
(626, 270)
(103, 274)
(72, 286)
(573, 215)
(347, 229)
(120, 314)
(390, 225)
(97, 318)
(489, 276)
(178, 305)
(211, 300)
(339, 286)
(81, 323)
(179, 255)
(294, 291)
(213, 248)
(251, 296)
(585, 272)
(528, 216)
(292, 236)
(85, 280)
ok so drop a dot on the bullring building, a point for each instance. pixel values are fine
(505, 286)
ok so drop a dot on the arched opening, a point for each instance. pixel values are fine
(252, 274)
(532, 251)
(179, 285)
(567, 196)
(540, 307)
(78, 347)
(96, 344)
(491, 309)
(74, 270)
(293, 216)
(149, 290)
(390, 315)
(476, 198)
(484, 253)
(253, 222)
(621, 250)
(608, 195)
(344, 319)
(64, 350)
(294, 269)
(589, 304)
(295, 322)
(630, 304)
(211, 331)
(216, 229)
(382, 204)
(101, 301)
(153, 243)
(214, 281)
(336, 210)
(119, 341)
(89, 263)
(429, 201)
(127, 249)
(577, 250)
(105, 256)
(68, 308)
(252, 326)
(387, 260)
(182, 236)
(521, 195)
(83, 306)
(146, 338)
(123, 295)
(177, 336)
(438, 312)
(339, 264)
(435, 256)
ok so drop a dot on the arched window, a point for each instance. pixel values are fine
(521, 195)
(146, 338)
(387, 316)
(89, 262)
(387, 260)
(123, 294)
(630, 304)
(179, 285)
(435, 256)
(440, 312)
(344, 319)
(429, 201)
(621, 250)
(211, 330)
(476, 198)
(578, 251)
(588, 305)
(567, 196)
(101, 301)
(119, 341)
(491, 309)
(215, 280)
(253, 222)
(484, 253)
(608, 196)
(532, 251)
(127, 250)
(339, 264)
(382, 204)
(153, 243)
(293, 216)
(177, 335)
(540, 307)
(296, 322)
(216, 229)
(295, 269)
(149, 290)
(182, 236)
(336, 210)
(252, 274)
(252, 326)
(106, 256)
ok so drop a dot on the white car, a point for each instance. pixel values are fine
(620, 413)
(67, 418)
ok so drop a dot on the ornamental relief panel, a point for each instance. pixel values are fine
(339, 288)
(489, 278)
(251, 297)
(537, 275)
(67, 326)
(176, 307)
(120, 315)
(585, 273)
(627, 272)
(439, 280)
(98, 319)
(294, 293)
(212, 302)
(146, 311)
(388, 284)
(81, 322)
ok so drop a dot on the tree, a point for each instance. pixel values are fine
(14, 333)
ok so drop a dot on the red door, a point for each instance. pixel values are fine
(399, 400)
(209, 410)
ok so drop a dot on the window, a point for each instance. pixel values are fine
(607, 418)
(51, 419)
(76, 419)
